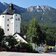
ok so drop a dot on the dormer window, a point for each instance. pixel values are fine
(3, 16)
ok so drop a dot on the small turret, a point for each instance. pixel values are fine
(11, 6)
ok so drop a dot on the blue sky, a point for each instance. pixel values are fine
(27, 3)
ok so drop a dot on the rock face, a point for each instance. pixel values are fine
(38, 8)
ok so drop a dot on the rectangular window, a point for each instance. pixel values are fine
(3, 16)
(7, 24)
(7, 29)
(7, 19)
(16, 19)
(16, 14)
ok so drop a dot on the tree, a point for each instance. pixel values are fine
(50, 33)
(23, 28)
(34, 32)
(31, 31)
(50, 37)
(1, 34)
(9, 41)
(25, 47)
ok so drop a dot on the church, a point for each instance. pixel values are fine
(10, 21)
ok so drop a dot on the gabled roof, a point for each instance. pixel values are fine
(10, 10)
(19, 37)
(19, 34)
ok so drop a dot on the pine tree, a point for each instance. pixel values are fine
(32, 30)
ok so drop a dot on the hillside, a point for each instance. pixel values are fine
(44, 15)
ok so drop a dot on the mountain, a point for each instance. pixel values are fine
(18, 9)
(2, 7)
(45, 15)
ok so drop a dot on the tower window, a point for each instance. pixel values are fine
(7, 19)
(16, 14)
(7, 24)
(16, 19)
(3, 16)
(7, 29)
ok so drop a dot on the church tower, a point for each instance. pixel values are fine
(10, 21)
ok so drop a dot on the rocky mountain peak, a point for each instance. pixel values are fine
(38, 8)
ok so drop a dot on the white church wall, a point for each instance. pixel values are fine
(10, 23)
(17, 23)
(7, 24)
(2, 21)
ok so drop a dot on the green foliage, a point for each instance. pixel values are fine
(9, 41)
(23, 28)
(1, 34)
(50, 35)
(25, 46)
(32, 30)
